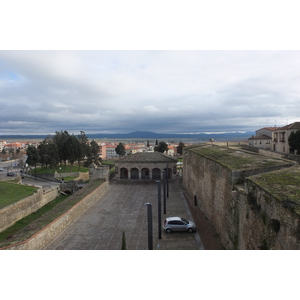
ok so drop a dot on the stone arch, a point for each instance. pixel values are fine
(145, 173)
(134, 173)
(124, 173)
(156, 174)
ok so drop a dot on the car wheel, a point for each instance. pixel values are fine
(168, 230)
(190, 230)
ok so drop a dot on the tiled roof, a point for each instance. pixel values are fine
(148, 157)
(269, 128)
(295, 125)
(260, 137)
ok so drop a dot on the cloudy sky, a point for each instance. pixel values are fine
(234, 67)
(161, 91)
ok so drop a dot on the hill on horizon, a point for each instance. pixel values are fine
(151, 135)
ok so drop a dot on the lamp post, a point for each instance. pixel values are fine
(150, 233)
(60, 172)
(167, 181)
(159, 209)
(164, 176)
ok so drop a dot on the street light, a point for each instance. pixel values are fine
(167, 180)
(159, 208)
(150, 233)
(164, 177)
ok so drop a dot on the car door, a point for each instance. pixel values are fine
(180, 226)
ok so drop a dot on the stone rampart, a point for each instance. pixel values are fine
(79, 175)
(263, 222)
(246, 216)
(10, 214)
(42, 238)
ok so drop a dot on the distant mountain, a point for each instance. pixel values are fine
(153, 135)
(232, 136)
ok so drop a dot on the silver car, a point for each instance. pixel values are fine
(178, 224)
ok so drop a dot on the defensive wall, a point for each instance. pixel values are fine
(12, 213)
(79, 175)
(42, 238)
(228, 185)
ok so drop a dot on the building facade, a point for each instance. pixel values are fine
(146, 166)
(281, 137)
(262, 138)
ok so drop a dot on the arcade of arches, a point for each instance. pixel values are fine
(146, 166)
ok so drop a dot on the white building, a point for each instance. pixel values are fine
(262, 138)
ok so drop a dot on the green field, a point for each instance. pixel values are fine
(64, 169)
(11, 193)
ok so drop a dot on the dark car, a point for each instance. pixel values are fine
(10, 174)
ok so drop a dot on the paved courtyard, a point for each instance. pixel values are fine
(122, 209)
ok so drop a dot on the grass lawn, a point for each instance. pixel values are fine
(11, 193)
(64, 169)
(28, 226)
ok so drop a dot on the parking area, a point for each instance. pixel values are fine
(122, 209)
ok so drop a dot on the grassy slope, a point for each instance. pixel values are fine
(11, 193)
(31, 224)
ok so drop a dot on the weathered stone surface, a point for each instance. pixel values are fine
(10, 214)
(242, 211)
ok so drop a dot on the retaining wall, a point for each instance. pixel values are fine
(42, 238)
(10, 214)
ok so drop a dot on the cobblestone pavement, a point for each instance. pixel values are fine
(122, 209)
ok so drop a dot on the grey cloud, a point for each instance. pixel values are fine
(163, 91)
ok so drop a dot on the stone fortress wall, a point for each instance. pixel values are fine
(42, 238)
(244, 214)
(10, 214)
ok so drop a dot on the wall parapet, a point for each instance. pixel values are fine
(42, 238)
(14, 212)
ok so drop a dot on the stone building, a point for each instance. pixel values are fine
(145, 166)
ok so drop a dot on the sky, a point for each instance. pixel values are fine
(189, 72)
(165, 91)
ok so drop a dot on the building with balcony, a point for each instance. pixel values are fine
(280, 137)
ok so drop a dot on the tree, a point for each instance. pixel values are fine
(32, 156)
(162, 147)
(84, 148)
(294, 141)
(120, 150)
(92, 153)
(60, 139)
(72, 149)
(180, 147)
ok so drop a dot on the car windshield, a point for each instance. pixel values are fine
(185, 220)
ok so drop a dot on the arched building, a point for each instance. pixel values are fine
(145, 166)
